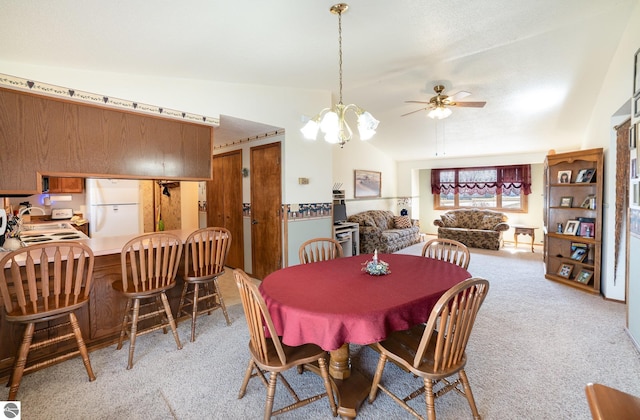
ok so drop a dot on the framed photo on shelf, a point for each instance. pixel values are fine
(586, 229)
(589, 202)
(579, 254)
(565, 270)
(571, 228)
(367, 183)
(585, 175)
(584, 276)
(566, 201)
(564, 177)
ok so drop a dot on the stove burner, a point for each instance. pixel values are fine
(37, 240)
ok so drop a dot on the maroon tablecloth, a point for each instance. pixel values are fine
(331, 303)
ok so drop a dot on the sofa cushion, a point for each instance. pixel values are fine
(402, 222)
(449, 220)
(490, 221)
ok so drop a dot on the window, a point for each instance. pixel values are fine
(496, 187)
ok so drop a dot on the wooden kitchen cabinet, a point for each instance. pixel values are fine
(66, 185)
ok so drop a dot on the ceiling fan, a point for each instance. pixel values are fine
(438, 105)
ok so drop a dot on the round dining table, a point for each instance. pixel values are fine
(333, 303)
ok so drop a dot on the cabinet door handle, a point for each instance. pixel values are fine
(254, 222)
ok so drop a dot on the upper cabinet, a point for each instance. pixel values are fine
(49, 135)
(65, 185)
(573, 218)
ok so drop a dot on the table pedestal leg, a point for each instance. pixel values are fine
(340, 364)
(351, 386)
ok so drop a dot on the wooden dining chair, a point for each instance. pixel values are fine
(40, 283)
(149, 268)
(319, 249)
(205, 255)
(268, 354)
(436, 350)
(608, 403)
(447, 250)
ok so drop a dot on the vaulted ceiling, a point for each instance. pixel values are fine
(539, 65)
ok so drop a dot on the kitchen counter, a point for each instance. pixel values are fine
(101, 319)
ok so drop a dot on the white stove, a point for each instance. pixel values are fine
(49, 232)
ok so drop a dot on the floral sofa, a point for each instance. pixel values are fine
(381, 230)
(475, 228)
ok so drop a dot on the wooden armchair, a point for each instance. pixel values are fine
(435, 351)
(447, 250)
(608, 403)
(268, 354)
(319, 249)
(40, 283)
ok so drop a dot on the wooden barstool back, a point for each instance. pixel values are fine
(268, 354)
(205, 256)
(447, 250)
(40, 283)
(149, 267)
(319, 249)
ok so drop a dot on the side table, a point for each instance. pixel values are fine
(524, 230)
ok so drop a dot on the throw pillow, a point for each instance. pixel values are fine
(402, 222)
(449, 220)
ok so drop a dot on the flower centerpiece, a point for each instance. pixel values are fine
(376, 267)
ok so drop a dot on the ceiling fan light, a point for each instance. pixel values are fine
(310, 129)
(439, 113)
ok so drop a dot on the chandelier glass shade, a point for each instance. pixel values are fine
(332, 121)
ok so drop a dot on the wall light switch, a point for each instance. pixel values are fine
(303, 181)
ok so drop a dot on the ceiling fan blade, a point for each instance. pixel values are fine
(478, 104)
(459, 95)
(417, 102)
(413, 112)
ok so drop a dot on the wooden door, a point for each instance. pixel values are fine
(266, 205)
(224, 201)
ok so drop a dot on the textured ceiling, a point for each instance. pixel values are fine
(538, 64)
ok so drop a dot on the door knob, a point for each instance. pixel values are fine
(254, 222)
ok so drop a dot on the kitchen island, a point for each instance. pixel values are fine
(100, 320)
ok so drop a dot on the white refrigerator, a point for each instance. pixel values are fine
(114, 207)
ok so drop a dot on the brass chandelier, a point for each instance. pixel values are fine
(331, 121)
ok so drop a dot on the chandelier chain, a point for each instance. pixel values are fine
(340, 51)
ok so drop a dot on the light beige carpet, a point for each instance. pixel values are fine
(536, 344)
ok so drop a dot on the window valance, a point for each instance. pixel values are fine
(481, 180)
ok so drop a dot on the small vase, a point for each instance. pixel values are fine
(12, 244)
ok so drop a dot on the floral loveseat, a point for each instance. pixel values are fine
(381, 230)
(473, 227)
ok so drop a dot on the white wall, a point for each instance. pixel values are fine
(615, 91)
(358, 154)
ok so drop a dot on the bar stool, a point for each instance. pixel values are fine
(41, 283)
(149, 267)
(205, 255)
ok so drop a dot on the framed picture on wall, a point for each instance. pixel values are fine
(367, 183)
(636, 76)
